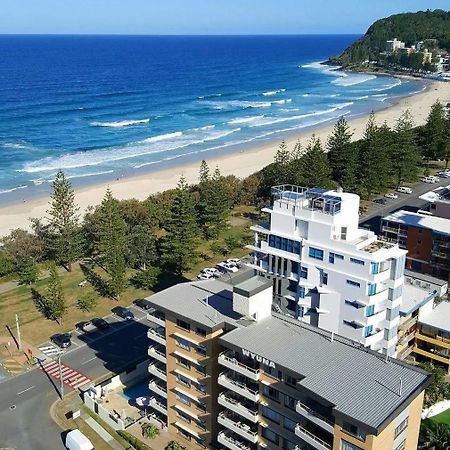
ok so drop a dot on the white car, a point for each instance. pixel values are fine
(429, 180)
(205, 276)
(235, 261)
(391, 195)
(444, 174)
(226, 267)
(212, 271)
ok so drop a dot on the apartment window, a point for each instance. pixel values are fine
(270, 436)
(301, 292)
(183, 416)
(370, 310)
(333, 256)
(288, 445)
(287, 245)
(303, 272)
(294, 267)
(291, 381)
(401, 446)
(368, 331)
(183, 398)
(400, 428)
(273, 372)
(202, 369)
(202, 388)
(183, 380)
(344, 233)
(375, 268)
(354, 431)
(324, 278)
(183, 433)
(357, 261)
(348, 446)
(300, 311)
(289, 424)
(201, 406)
(372, 289)
(271, 393)
(183, 324)
(183, 343)
(200, 331)
(289, 402)
(316, 253)
(271, 414)
(201, 349)
(353, 283)
(183, 362)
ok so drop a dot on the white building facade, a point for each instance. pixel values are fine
(326, 270)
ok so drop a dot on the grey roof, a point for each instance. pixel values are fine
(359, 382)
(425, 277)
(436, 224)
(438, 318)
(413, 298)
(252, 286)
(209, 302)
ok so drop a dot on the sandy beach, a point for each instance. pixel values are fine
(239, 164)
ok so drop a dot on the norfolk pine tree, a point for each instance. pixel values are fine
(53, 304)
(65, 234)
(111, 243)
(435, 134)
(179, 245)
(314, 166)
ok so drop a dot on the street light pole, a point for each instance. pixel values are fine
(19, 338)
(60, 375)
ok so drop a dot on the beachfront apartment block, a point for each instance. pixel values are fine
(394, 45)
(325, 270)
(227, 372)
(425, 237)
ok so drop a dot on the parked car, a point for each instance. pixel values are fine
(380, 201)
(211, 270)
(391, 195)
(205, 276)
(87, 327)
(101, 324)
(143, 304)
(235, 261)
(429, 180)
(76, 440)
(444, 174)
(62, 340)
(226, 267)
(122, 312)
(404, 190)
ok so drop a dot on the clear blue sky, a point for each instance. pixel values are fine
(200, 16)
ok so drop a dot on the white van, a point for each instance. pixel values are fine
(76, 440)
(404, 190)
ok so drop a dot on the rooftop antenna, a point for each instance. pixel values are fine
(401, 387)
(332, 336)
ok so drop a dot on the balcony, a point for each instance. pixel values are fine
(314, 417)
(159, 370)
(228, 360)
(402, 354)
(239, 387)
(158, 387)
(233, 423)
(436, 340)
(407, 323)
(158, 406)
(406, 338)
(157, 317)
(156, 352)
(311, 439)
(157, 335)
(245, 409)
(445, 359)
(229, 441)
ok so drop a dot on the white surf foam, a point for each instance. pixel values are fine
(272, 93)
(121, 123)
(241, 120)
(282, 102)
(163, 137)
(7, 191)
(353, 80)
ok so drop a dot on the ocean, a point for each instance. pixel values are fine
(105, 107)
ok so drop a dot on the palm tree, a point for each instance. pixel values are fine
(175, 445)
(434, 436)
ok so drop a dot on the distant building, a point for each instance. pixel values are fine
(394, 45)
(438, 201)
(327, 271)
(427, 57)
(227, 372)
(407, 50)
(425, 237)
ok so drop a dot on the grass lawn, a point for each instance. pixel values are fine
(442, 418)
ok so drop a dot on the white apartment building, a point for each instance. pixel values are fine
(394, 45)
(327, 271)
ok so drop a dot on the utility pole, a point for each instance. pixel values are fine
(19, 339)
(60, 375)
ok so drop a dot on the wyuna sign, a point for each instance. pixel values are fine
(260, 359)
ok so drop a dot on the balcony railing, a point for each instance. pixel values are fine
(239, 407)
(157, 334)
(158, 405)
(238, 387)
(230, 442)
(406, 338)
(238, 427)
(156, 317)
(311, 438)
(228, 360)
(407, 323)
(314, 416)
(155, 352)
(158, 388)
(158, 371)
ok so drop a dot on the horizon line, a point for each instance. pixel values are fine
(181, 35)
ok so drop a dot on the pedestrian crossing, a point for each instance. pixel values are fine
(71, 377)
(49, 350)
(12, 366)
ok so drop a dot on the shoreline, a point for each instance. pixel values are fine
(240, 163)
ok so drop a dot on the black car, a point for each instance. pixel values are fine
(380, 201)
(122, 312)
(101, 324)
(61, 340)
(143, 304)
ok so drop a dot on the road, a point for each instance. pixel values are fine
(411, 202)
(25, 422)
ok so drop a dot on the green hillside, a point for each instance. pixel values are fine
(408, 27)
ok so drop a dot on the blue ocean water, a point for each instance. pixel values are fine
(106, 107)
